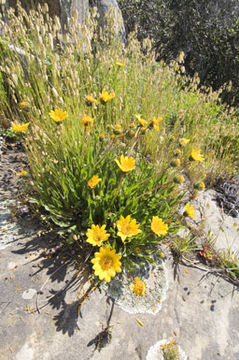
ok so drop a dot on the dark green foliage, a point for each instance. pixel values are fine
(206, 30)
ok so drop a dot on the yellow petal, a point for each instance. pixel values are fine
(139, 322)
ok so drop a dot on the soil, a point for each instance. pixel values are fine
(12, 161)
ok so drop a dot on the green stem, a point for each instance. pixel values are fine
(154, 189)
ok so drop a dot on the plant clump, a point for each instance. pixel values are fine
(107, 141)
(171, 351)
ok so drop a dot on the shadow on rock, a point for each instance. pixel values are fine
(66, 320)
(104, 337)
(58, 265)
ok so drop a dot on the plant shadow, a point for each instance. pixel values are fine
(59, 266)
(103, 338)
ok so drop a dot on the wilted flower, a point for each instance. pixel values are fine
(106, 263)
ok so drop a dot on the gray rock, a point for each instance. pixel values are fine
(103, 7)
(66, 9)
(203, 312)
(69, 9)
(223, 228)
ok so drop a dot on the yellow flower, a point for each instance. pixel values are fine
(20, 127)
(22, 173)
(96, 235)
(119, 63)
(155, 122)
(183, 141)
(88, 121)
(142, 122)
(94, 181)
(91, 100)
(102, 136)
(126, 164)
(105, 96)
(196, 155)
(190, 211)
(23, 105)
(58, 115)
(139, 287)
(106, 263)
(158, 226)
(162, 255)
(139, 322)
(127, 227)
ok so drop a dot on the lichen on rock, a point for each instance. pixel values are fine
(155, 278)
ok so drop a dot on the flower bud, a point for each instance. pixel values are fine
(117, 129)
(179, 179)
(175, 162)
(199, 185)
(130, 133)
(177, 152)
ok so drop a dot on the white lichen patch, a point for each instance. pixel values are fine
(156, 351)
(155, 278)
(8, 228)
(29, 294)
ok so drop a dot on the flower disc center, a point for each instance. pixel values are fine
(106, 262)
